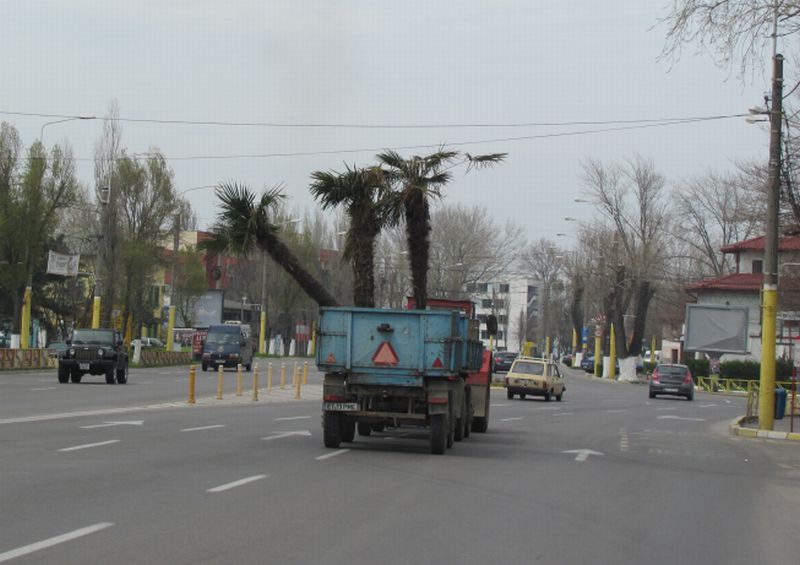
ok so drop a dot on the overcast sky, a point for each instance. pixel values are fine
(348, 63)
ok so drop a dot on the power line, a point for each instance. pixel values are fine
(211, 157)
(321, 125)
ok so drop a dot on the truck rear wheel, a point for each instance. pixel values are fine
(110, 380)
(75, 377)
(440, 429)
(332, 429)
(480, 424)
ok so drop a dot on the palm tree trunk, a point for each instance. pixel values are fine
(418, 229)
(282, 255)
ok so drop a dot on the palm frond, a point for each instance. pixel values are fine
(484, 161)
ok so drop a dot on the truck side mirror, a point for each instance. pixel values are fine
(491, 324)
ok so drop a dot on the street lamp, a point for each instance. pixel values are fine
(44, 125)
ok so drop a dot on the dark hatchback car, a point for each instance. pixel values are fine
(672, 379)
(502, 360)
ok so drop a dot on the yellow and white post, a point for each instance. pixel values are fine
(612, 354)
(25, 328)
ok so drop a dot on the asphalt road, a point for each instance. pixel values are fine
(131, 474)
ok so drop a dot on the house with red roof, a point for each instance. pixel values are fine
(743, 288)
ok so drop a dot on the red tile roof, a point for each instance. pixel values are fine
(785, 243)
(747, 282)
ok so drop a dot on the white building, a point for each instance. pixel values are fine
(514, 303)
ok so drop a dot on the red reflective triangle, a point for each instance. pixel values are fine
(437, 363)
(385, 355)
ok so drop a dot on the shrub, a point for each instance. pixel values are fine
(698, 367)
(751, 370)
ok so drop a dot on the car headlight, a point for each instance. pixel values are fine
(100, 352)
(72, 353)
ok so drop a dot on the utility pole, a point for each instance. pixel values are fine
(769, 293)
(173, 295)
(262, 334)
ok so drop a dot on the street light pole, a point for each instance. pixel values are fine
(766, 396)
(25, 321)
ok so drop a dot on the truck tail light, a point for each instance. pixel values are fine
(333, 398)
(687, 379)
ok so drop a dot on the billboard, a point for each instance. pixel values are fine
(209, 308)
(61, 264)
(716, 329)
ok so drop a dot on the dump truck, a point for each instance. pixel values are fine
(391, 368)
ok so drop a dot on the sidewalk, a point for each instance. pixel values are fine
(748, 427)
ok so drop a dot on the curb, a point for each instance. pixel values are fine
(736, 428)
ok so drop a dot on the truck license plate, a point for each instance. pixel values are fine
(341, 406)
(83, 366)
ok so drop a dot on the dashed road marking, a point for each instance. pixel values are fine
(624, 444)
(292, 418)
(89, 445)
(332, 454)
(238, 483)
(510, 419)
(50, 542)
(43, 388)
(616, 411)
(708, 405)
(563, 413)
(203, 428)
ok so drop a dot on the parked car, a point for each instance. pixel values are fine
(56, 349)
(587, 363)
(152, 342)
(534, 377)
(503, 360)
(672, 379)
(567, 359)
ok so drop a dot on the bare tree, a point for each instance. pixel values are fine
(467, 247)
(630, 198)
(714, 211)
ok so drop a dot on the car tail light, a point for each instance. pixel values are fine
(654, 376)
(687, 379)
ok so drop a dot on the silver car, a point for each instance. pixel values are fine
(672, 379)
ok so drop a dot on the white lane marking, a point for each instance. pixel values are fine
(332, 454)
(666, 408)
(292, 418)
(43, 388)
(238, 483)
(203, 428)
(88, 445)
(673, 417)
(617, 411)
(99, 412)
(510, 419)
(708, 405)
(110, 424)
(563, 413)
(280, 435)
(582, 454)
(499, 405)
(624, 444)
(44, 544)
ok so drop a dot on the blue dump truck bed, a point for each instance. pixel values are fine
(388, 344)
(387, 368)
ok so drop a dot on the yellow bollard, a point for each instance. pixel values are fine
(239, 379)
(305, 373)
(219, 383)
(255, 381)
(283, 376)
(294, 374)
(297, 384)
(269, 377)
(192, 377)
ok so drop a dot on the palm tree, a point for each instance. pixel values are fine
(243, 224)
(359, 191)
(413, 183)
